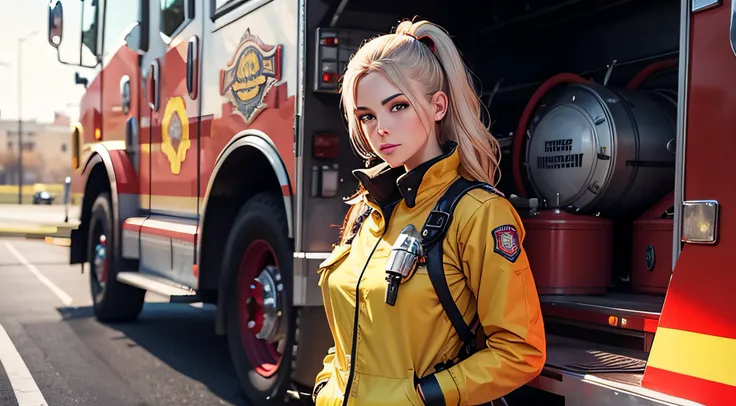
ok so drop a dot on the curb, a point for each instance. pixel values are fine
(37, 232)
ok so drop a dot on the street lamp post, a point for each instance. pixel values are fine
(20, 116)
(19, 172)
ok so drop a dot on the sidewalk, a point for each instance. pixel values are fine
(37, 221)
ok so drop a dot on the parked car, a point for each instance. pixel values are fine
(42, 198)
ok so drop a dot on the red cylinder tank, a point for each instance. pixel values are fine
(651, 249)
(569, 253)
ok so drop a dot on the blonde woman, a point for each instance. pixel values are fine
(409, 101)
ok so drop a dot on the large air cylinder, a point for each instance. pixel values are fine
(602, 150)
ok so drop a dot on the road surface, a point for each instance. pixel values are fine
(53, 351)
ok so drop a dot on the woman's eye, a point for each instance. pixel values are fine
(399, 106)
(365, 118)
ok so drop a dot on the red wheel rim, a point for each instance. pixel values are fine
(263, 356)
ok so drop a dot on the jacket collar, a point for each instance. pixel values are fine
(386, 185)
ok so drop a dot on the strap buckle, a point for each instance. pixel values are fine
(436, 221)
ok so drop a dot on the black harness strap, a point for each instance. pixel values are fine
(433, 232)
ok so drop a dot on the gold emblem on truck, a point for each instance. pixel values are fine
(175, 133)
(249, 76)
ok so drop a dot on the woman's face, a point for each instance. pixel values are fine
(393, 127)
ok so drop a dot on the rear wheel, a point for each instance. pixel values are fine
(260, 321)
(113, 301)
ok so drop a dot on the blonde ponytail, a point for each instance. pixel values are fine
(479, 150)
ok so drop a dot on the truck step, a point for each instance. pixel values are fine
(609, 375)
(588, 361)
(176, 293)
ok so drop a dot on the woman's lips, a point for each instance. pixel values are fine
(388, 148)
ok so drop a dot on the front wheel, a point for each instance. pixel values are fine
(112, 300)
(260, 322)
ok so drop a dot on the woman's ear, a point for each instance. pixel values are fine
(439, 105)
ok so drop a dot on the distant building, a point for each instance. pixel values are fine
(46, 151)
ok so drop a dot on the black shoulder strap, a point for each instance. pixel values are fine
(433, 232)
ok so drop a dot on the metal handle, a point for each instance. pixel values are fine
(125, 94)
(192, 67)
(153, 86)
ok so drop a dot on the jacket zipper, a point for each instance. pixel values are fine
(353, 347)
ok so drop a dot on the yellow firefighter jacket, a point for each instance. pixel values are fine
(381, 350)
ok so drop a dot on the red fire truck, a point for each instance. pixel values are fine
(212, 161)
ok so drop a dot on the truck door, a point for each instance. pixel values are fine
(120, 113)
(172, 83)
(693, 348)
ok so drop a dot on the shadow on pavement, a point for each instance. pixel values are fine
(179, 335)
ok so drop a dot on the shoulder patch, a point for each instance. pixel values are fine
(506, 242)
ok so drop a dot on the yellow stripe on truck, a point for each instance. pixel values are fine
(699, 355)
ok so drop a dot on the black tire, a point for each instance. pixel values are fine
(114, 301)
(260, 222)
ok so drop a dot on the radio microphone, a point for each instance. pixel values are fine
(405, 255)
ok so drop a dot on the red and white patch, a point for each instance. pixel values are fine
(506, 242)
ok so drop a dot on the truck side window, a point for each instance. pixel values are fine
(174, 14)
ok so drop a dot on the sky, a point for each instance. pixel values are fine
(47, 85)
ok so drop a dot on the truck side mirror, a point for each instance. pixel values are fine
(56, 20)
(73, 30)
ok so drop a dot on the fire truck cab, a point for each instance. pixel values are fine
(211, 160)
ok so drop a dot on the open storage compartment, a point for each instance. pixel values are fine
(582, 96)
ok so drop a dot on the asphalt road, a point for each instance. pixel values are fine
(52, 349)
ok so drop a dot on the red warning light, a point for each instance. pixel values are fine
(329, 77)
(331, 42)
